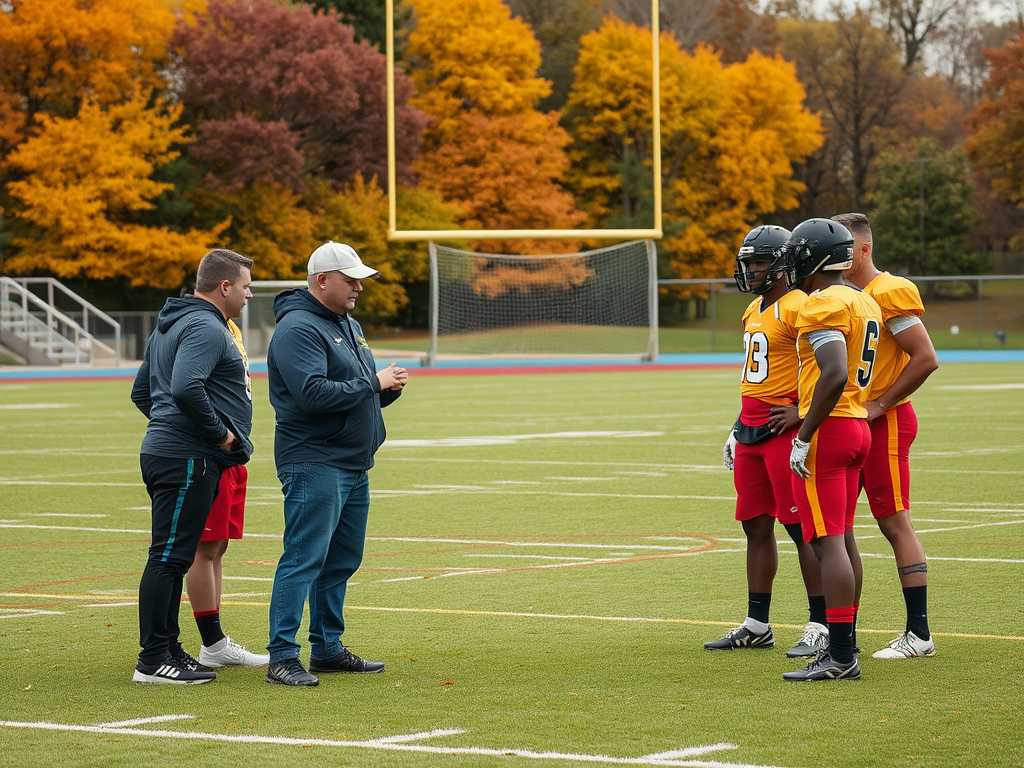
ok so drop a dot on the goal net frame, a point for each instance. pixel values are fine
(651, 298)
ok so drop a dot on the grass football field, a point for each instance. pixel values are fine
(546, 556)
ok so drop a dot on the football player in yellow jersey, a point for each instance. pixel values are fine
(905, 359)
(838, 330)
(225, 521)
(759, 444)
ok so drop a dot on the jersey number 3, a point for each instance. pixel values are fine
(867, 355)
(755, 348)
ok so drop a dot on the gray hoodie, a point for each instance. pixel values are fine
(192, 385)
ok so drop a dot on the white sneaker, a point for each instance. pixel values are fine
(906, 646)
(228, 653)
(815, 639)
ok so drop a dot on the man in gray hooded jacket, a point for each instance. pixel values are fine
(194, 388)
(327, 395)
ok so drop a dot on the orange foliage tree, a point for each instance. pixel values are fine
(488, 150)
(83, 182)
(81, 137)
(997, 124)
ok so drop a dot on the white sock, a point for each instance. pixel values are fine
(755, 626)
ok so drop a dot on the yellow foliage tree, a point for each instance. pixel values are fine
(471, 55)
(730, 137)
(269, 223)
(84, 180)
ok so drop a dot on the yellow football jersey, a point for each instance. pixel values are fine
(236, 334)
(858, 317)
(897, 297)
(769, 343)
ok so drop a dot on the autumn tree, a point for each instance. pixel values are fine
(279, 95)
(559, 25)
(925, 212)
(83, 140)
(488, 150)
(914, 23)
(83, 182)
(730, 136)
(55, 54)
(855, 80)
(997, 124)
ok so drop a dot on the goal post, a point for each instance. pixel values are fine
(592, 304)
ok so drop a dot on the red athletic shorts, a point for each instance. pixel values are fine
(827, 500)
(761, 475)
(886, 473)
(227, 515)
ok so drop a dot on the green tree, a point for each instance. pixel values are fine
(925, 212)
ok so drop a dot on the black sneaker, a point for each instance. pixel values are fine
(290, 672)
(741, 637)
(189, 662)
(824, 667)
(170, 672)
(344, 661)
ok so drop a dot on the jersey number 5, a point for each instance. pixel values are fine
(755, 349)
(867, 355)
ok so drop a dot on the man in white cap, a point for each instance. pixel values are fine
(327, 396)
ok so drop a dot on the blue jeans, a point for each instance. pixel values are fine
(325, 511)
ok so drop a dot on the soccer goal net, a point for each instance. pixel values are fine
(588, 304)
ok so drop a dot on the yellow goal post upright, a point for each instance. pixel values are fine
(655, 232)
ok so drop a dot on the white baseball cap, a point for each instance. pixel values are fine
(338, 257)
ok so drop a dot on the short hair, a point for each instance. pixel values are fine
(857, 223)
(219, 265)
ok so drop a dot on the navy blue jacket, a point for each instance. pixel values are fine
(323, 386)
(193, 386)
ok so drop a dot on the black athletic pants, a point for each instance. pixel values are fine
(182, 491)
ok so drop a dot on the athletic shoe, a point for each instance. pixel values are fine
(815, 639)
(189, 662)
(228, 653)
(344, 661)
(741, 637)
(170, 672)
(824, 667)
(290, 672)
(906, 646)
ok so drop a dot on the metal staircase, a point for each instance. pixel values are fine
(34, 328)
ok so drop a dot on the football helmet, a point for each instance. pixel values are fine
(817, 245)
(760, 243)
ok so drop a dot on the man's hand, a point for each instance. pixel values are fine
(228, 442)
(392, 377)
(729, 451)
(784, 418)
(798, 458)
(874, 410)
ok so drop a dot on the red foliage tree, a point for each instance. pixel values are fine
(279, 94)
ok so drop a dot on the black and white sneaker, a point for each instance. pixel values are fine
(170, 672)
(741, 637)
(189, 662)
(824, 667)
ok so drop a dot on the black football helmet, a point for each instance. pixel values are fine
(817, 245)
(760, 243)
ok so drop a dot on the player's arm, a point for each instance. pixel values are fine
(913, 339)
(831, 358)
(830, 355)
(141, 394)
